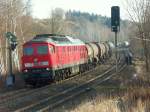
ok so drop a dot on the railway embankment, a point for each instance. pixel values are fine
(129, 91)
(28, 96)
(126, 91)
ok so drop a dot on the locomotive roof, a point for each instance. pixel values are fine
(57, 39)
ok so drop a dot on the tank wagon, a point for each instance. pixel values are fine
(50, 57)
(98, 52)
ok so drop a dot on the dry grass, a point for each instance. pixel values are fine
(135, 98)
(94, 106)
(138, 100)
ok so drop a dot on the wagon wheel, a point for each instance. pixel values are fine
(57, 76)
(67, 73)
(62, 75)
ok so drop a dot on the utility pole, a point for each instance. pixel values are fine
(115, 27)
(12, 40)
(10, 77)
(116, 52)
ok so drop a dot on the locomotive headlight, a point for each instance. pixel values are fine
(25, 70)
(47, 69)
(28, 64)
(44, 63)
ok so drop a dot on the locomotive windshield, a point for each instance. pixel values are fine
(42, 49)
(28, 51)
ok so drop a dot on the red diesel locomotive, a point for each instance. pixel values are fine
(50, 57)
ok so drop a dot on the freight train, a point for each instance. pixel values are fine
(51, 57)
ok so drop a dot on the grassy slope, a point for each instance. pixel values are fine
(132, 95)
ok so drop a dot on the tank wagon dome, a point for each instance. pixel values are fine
(111, 45)
(56, 39)
(126, 43)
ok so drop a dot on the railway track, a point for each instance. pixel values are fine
(17, 99)
(27, 91)
(51, 102)
(9, 94)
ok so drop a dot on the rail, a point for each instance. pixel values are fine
(50, 102)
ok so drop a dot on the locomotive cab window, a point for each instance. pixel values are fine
(42, 49)
(51, 50)
(28, 51)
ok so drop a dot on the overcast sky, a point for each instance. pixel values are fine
(42, 8)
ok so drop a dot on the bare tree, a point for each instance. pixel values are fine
(11, 13)
(139, 12)
(57, 21)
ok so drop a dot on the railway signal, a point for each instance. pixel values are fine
(115, 26)
(12, 40)
(115, 18)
